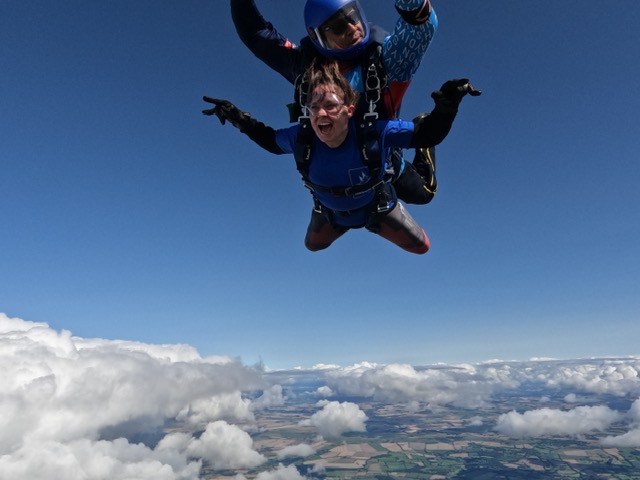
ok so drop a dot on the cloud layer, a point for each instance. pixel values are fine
(69, 404)
(88, 409)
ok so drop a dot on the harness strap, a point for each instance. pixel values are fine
(302, 151)
(369, 144)
(374, 76)
(372, 184)
(375, 80)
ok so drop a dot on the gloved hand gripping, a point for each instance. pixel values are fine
(451, 92)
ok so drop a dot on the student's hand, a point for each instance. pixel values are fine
(451, 92)
(225, 110)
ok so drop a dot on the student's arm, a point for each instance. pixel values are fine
(263, 135)
(431, 128)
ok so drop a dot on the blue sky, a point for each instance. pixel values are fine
(126, 214)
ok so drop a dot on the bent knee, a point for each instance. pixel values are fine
(315, 247)
(421, 248)
(420, 197)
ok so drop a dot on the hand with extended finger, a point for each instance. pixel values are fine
(225, 110)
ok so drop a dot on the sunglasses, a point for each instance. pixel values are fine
(340, 21)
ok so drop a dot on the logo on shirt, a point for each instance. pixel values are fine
(359, 176)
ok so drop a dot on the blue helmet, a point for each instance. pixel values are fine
(326, 16)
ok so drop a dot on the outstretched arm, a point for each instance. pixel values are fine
(264, 41)
(402, 51)
(431, 128)
(262, 134)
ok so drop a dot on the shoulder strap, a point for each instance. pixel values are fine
(308, 54)
(302, 151)
(368, 139)
(374, 76)
(375, 80)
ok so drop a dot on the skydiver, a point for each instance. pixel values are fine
(348, 187)
(338, 29)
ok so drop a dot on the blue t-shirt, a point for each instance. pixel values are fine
(344, 166)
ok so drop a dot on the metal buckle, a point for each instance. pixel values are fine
(317, 206)
(384, 207)
(371, 115)
(384, 202)
(372, 85)
(304, 116)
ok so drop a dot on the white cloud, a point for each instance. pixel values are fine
(325, 366)
(462, 385)
(629, 439)
(634, 412)
(469, 385)
(547, 421)
(76, 408)
(475, 422)
(226, 447)
(614, 376)
(227, 406)
(632, 437)
(324, 391)
(337, 418)
(65, 402)
(86, 459)
(301, 450)
(271, 397)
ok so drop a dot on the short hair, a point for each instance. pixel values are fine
(326, 73)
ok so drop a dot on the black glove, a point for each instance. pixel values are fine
(225, 110)
(451, 92)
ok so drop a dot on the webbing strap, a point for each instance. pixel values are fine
(302, 151)
(369, 144)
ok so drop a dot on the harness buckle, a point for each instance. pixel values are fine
(304, 118)
(369, 117)
(384, 199)
(317, 206)
(384, 207)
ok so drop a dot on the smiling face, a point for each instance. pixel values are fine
(342, 30)
(329, 115)
(351, 34)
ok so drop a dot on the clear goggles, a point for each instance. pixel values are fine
(338, 23)
(328, 102)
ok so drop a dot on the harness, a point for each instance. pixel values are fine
(375, 80)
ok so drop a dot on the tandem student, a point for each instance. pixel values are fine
(343, 161)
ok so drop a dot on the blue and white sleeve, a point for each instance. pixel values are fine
(403, 50)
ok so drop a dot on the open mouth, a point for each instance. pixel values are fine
(325, 127)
